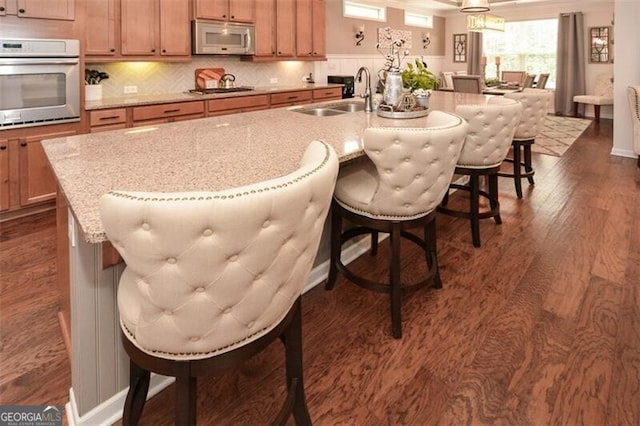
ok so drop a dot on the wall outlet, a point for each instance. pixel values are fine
(130, 89)
(273, 80)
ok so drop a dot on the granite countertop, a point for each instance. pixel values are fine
(138, 100)
(207, 154)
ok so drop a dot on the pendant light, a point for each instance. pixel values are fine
(475, 6)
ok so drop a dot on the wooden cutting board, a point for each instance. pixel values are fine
(208, 74)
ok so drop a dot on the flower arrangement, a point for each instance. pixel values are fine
(393, 53)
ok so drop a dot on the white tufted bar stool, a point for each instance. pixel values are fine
(212, 278)
(535, 103)
(491, 129)
(397, 187)
(633, 94)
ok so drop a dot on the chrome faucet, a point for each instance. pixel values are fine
(368, 98)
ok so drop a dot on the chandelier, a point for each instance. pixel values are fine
(475, 6)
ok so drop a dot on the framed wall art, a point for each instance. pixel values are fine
(599, 44)
(459, 48)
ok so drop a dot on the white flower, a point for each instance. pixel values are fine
(421, 93)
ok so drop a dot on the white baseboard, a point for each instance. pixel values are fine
(110, 411)
(623, 153)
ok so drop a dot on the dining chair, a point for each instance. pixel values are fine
(542, 81)
(514, 76)
(603, 95)
(467, 83)
(535, 105)
(491, 130)
(396, 187)
(212, 278)
(528, 81)
(447, 78)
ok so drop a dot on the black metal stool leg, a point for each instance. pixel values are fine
(336, 247)
(528, 167)
(517, 169)
(394, 278)
(474, 211)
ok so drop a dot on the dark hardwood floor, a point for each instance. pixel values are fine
(541, 325)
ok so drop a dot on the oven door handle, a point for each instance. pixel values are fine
(39, 61)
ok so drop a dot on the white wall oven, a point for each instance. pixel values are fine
(39, 82)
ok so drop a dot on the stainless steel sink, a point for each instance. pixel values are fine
(319, 112)
(332, 109)
(348, 107)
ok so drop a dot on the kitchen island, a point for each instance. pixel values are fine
(207, 154)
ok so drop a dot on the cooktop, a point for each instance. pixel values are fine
(220, 90)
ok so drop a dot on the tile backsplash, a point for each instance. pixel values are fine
(165, 77)
(168, 77)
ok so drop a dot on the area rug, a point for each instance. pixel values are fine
(558, 134)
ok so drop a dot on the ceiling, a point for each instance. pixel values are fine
(448, 5)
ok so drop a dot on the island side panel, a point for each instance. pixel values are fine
(99, 367)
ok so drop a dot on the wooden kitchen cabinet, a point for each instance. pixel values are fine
(225, 10)
(327, 94)
(37, 182)
(310, 29)
(107, 119)
(236, 105)
(275, 30)
(101, 37)
(299, 97)
(167, 113)
(43, 9)
(137, 30)
(27, 183)
(4, 173)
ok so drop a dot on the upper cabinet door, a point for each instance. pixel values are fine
(310, 32)
(212, 9)
(319, 32)
(265, 28)
(242, 10)
(101, 25)
(285, 28)
(46, 9)
(175, 32)
(139, 27)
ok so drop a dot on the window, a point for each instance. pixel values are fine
(524, 46)
(352, 9)
(418, 20)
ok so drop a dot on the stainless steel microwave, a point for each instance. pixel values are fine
(222, 38)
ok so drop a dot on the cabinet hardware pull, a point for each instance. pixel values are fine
(2, 147)
(153, 50)
(21, 10)
(171, 110)
(23, 144)
(111, 117)
(112, 50)
(1, 9)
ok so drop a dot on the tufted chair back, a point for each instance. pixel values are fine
(535, 104)
(208, 272)
(633, 93)
(412, 168)
(603, 85)
(514, 76)
(491, 129)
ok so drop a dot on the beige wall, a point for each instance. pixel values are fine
(341, 31)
